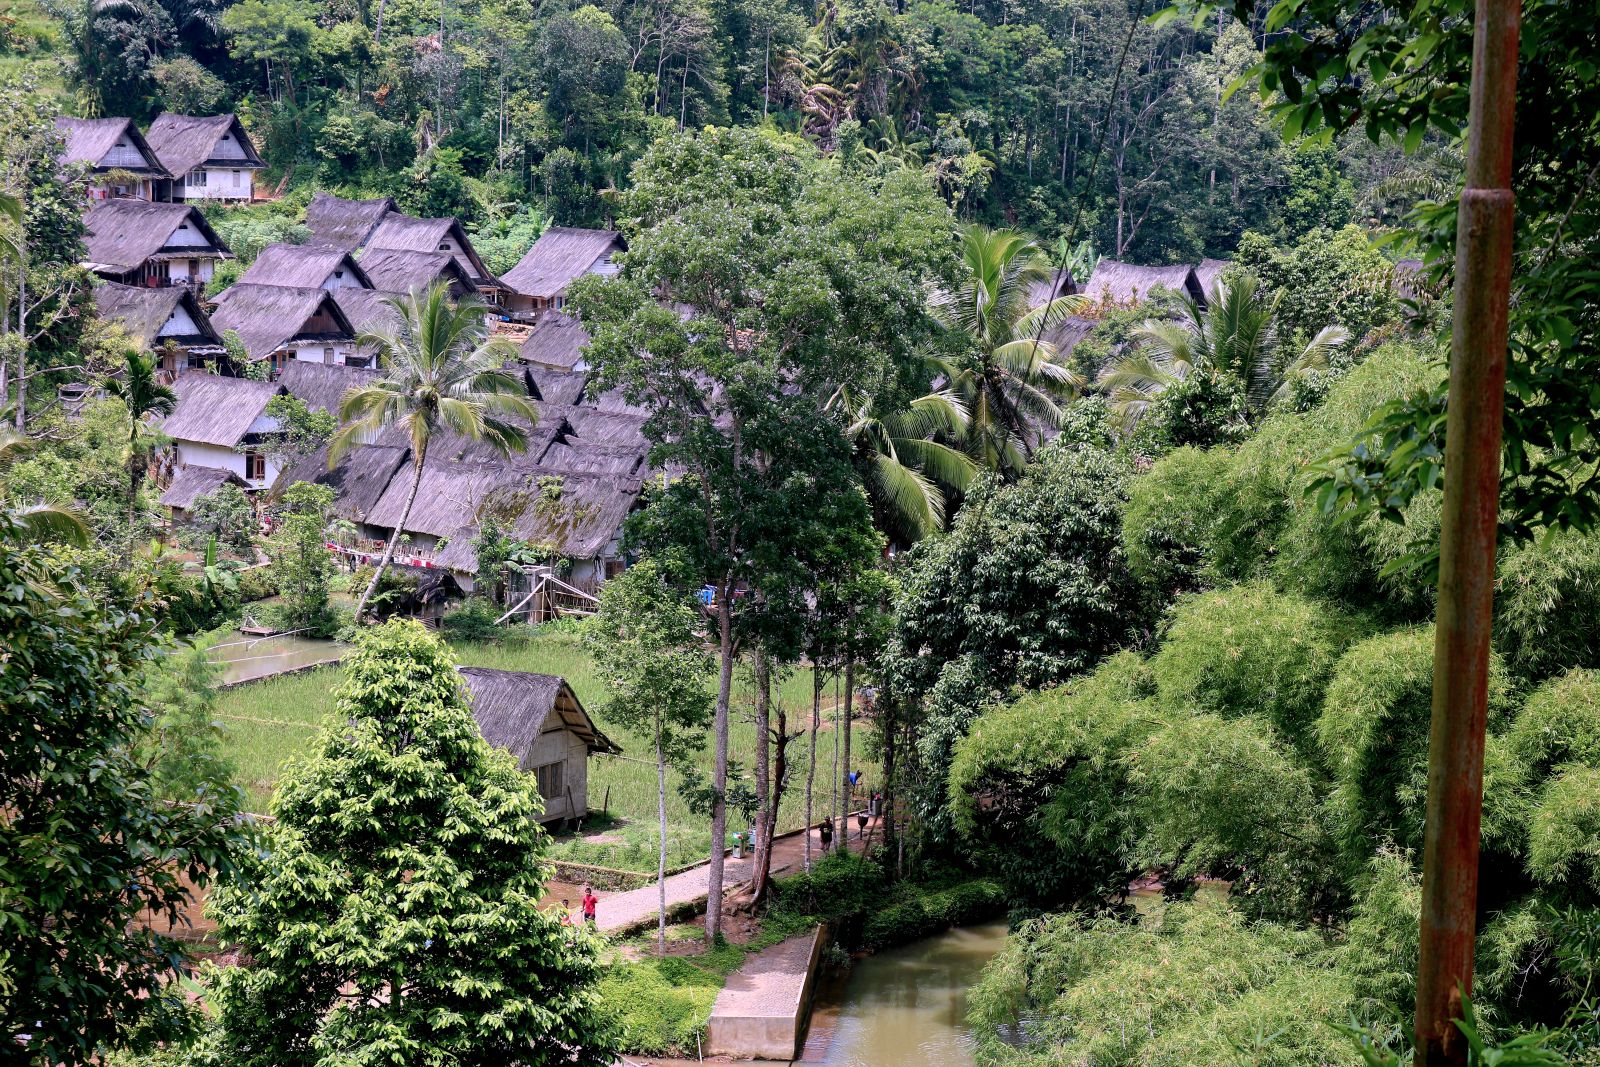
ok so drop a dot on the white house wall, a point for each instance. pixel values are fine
(334, 354)
(194, 454)
(179, 324)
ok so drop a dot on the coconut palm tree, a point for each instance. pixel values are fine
(1235, 334)
(34, 522)
(909, 467)
(442, 373)
(144, 394)
(1012, 382)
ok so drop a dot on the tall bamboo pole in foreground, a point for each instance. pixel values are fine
(1467, 540)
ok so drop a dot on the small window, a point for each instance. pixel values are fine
(255, 466)
(444, 248)
(236, 177)
(327, 355)
(183, 225)
(552, 780)
(196, 362)
(338, 274)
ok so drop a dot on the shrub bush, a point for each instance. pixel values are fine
(1374, 735)
(1251, 650)
(1547, 605)
(257, 583)
(473, 620)
(837, 885)
(659, 1005)
(1564, 832)
(1166, 524)
(914, 911)
(1560, 723)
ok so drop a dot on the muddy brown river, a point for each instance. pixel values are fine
(905, 1007)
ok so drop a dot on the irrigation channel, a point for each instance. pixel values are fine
(247, 658)
(906, 1006)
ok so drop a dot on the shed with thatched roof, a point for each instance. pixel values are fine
(190, 484)
(408, 234)
(560, 256)
(209, 157)
(539, 720)
(282, 323)
(119, 160)
(306, 267)
(1127, 284)
(401, 270)
(151, 245)
(556, 341)
(223, 423)
(169, 321)
(342, 223)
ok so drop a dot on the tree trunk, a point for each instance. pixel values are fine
(719, 770)
(888, 735)
(377, 31)
(811, 762)
(763, 843)
(388, 549)
(849, 713)
(661, 858)
(833, 790)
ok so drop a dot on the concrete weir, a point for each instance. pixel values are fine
(761, 1013)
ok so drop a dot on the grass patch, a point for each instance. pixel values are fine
(270, 721)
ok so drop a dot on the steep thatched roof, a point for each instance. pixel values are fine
(1209, 272)
(192, 483)
(343, 223)
(560, 256)
(1059, 284)
(411, 234)
(401, 270)
(1129, 283)
(320, 386)
(514, 708)
(556, 341)
(1066, 333)
(368, 310)
(576, 455)
(213, 410)
(183, 142)
(89, 140)
(357, 480)
(595, 425)
(267, 317)
(305, 266)
(142, 312)
(555, 386)
(125, 234)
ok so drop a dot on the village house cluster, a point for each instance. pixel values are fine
(300, 311)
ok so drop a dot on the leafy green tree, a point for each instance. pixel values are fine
(648, 650)
(801, 281)
(1234, 335)
(144, 395)
(35, 521)
(100, 856)
(442, 373)
(1010, 380)
(227, 516)
(301, 562)
(394, 912)
(1332, 276)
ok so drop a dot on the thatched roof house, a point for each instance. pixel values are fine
(1128, 283)
(556, 341)
(281, 323)
(1209, 273)
(321, 386)
(369, 310)
(105, 145)
(343, 223)
(399, 270)
(554, 386)
(539, 720)
(209, 157)
(149, 244)
(223, 423)
(192, 483)
(560, 256)
(306, 266)
(169, 318)
(407, 234)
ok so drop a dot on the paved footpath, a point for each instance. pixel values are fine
(634, 908)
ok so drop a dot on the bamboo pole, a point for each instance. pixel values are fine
(1484, 239)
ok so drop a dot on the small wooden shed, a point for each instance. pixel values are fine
(538, 719)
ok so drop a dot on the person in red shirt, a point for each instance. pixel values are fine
(589, 903)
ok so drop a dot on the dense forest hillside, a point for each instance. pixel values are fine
(508, 112)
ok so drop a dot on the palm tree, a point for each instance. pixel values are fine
(908, 465)
(1012, 384)
(442, 372)
(1235, 334)
(35, 522)
(144, 394)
